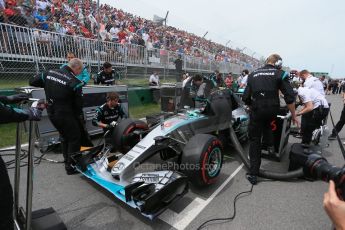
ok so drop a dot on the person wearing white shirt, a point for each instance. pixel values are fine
(2, 4)
(114, 31)
(244, 79)
(311, 82)
(154, 79)
(186, 78)
(315, 109)
(42, 4)
(145, 36)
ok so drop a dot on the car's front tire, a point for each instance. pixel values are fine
(124, 138)
(202, 159)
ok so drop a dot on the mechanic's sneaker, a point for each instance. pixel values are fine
(252, 179)
(70, 170)
(332, 137)
(271, 150)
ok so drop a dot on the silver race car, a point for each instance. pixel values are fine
(190, 144)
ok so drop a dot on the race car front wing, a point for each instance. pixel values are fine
(149, 192)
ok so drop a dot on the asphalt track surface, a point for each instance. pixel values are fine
(297, 204)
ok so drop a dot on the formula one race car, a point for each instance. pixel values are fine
(193, 139)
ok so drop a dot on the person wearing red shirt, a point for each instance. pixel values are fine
(9, 11)
(84, 30)
(132, 28)
(122, 34)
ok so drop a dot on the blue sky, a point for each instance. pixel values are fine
(308, 34)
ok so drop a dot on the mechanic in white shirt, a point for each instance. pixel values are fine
(244, 79)
(311, 82)
(186, 78)
(154, 79)
(315, 109)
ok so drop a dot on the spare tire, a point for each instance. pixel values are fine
(124, 138)
(202, 159)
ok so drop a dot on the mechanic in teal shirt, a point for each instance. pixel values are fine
(84, 76)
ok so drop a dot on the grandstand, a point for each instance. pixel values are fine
(36, 35)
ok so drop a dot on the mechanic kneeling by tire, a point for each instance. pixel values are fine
(315, 110)
(109, 113)
(262, 96)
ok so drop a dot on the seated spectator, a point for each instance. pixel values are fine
(114, 33)
(122, 35)
(84, 30)
(29, 18)
(42, 4)
(41, 19)
(118, 26)
(9, 10)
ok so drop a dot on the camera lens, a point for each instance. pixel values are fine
(317, 168)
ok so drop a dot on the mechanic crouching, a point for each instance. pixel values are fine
(315, 109)
(109, 113)
(262, 96)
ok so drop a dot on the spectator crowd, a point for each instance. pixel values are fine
(81, 18)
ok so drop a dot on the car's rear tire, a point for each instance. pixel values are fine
(124, 138)
(202, 159)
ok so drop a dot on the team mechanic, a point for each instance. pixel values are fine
(262, 96)
(84, 76)
(7, 115)
(315, 110)
(109, 113)
(64, 96)
(107, 76)
(195, 91)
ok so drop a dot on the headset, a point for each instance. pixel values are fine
(279, 63)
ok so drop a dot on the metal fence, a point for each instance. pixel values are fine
(26, 51)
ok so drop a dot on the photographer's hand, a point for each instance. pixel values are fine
(334, 207)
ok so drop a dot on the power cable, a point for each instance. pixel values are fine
(226, 219)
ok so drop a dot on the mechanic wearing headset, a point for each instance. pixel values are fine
(7, 115)
(63, 92)
(262, 96)
(107, 76)
(315, 110)
(109, 113)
